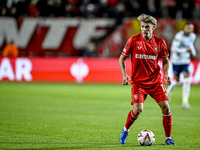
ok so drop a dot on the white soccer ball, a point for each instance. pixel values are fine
(146, 138)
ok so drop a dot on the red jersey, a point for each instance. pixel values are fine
(144, 58)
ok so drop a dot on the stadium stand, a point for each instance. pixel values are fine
(100, 8)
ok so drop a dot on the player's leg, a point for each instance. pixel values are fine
(186, 90)
(172, 86)
(175, 82)
(137, 102)
(159, 93)
(132, 116)
(167, 121)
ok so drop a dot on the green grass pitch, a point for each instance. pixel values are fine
(88, 116)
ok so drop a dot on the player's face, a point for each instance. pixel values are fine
(188, 29)
(147, 30)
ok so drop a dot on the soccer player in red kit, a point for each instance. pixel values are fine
(145, 50)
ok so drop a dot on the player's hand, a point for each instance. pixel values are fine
(168, 79)
(189, 51)
(125, 80)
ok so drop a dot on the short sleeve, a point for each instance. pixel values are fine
(127, 49)
(164, 51)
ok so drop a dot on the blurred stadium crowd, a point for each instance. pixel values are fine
(187, 9)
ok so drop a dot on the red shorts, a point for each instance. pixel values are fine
(156, 91)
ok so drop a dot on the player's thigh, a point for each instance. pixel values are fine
(138, 94)
(185, 70)
(159, 93)
(176, 70)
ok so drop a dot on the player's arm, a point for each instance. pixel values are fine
(122, 66)
(165, 69)
(192, 51)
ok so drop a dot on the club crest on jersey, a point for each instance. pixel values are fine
(135, 96)
(155, 48)
(139, 47)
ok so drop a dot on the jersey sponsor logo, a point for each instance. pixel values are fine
(141, 56)
(139, 47)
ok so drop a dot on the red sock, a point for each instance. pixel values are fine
(130, 119)
(167, 124)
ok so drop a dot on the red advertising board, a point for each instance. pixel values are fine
(72, 69)
(60, 69)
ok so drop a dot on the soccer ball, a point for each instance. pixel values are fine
(146, 137)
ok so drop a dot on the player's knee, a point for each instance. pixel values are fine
(165, 109)
(138, 110)
(186, 74)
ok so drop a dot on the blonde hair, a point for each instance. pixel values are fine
(147, 19)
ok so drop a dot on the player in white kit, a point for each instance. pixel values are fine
(182, 50)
